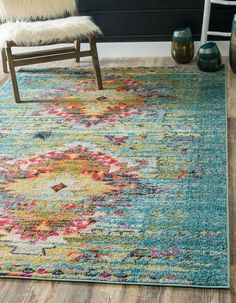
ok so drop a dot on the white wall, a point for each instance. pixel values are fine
(140, 49)
(146, 49)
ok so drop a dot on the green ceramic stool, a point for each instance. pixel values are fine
(232, 52)
(209, 57)
(182, 49)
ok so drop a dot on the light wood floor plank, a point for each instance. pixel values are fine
(13, 291)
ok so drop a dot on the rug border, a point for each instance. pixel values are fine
(227, 173)
(228, 286)
(115, 283)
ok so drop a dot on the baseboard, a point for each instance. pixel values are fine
(141, 49)
(147, 49)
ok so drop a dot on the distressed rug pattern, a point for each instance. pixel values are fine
(125, 185)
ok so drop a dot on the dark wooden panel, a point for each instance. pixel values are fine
(152, 20)
(112, 5)
(221, 18)
(145, 22)
(155, 25)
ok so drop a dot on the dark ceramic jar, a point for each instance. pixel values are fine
(209, 57)
(182, 48)
(232, 52)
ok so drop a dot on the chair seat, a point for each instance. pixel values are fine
(24, 33)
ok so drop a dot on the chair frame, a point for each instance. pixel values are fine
(206, 19)
(43, 56)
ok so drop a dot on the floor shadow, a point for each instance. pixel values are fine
(38, 101)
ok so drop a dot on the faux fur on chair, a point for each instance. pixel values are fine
(43, 22)
(12, 10)
(47, 32)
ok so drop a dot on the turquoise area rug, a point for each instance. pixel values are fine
(125, 185)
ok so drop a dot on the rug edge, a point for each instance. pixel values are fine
(115, 283)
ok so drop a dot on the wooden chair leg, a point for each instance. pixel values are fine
(13, 74)
(77, 47)
(4, 60)
(96, 64)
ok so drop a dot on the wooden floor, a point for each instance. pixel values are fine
(18, 291)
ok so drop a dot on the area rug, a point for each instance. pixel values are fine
(125, 185)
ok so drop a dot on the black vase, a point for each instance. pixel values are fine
(209, 57)
(182, 48)
(232, 51)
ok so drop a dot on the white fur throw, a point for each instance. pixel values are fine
(47, 32)
(11, 10)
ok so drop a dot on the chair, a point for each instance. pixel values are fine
(206, 19)
(45, 22)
